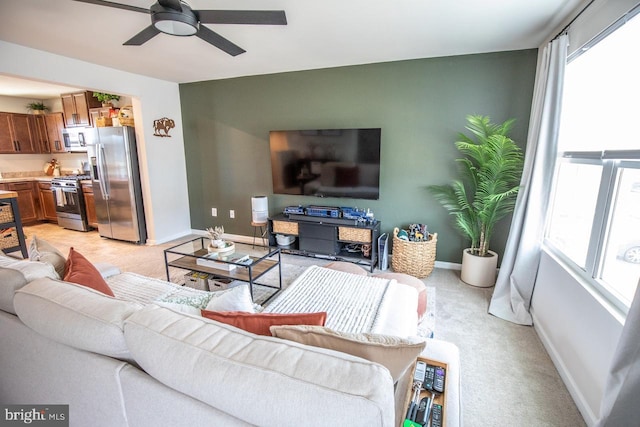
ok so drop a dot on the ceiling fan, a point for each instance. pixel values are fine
(175, 17)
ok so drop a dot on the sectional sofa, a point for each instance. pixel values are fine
(125, 362)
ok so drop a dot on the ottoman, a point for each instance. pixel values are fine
(414, 282)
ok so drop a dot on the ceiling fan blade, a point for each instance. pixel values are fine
(218, 41)
(143, 36)
(171, 4)
(115, 5)
(255, 17)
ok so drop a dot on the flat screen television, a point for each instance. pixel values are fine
(326, 162)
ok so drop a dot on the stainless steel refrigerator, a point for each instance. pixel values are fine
(115, 175)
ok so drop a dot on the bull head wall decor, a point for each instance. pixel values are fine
(161, 127)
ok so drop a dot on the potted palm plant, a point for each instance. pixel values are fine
(485, 193)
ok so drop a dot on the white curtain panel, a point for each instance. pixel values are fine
(619, 406)
(514, 286)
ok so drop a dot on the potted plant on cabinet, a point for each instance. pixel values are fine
(485, 193)
(37, 107)
(106, 98)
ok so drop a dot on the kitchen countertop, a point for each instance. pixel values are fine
(8, 194)
(36, 179)
(26, 178)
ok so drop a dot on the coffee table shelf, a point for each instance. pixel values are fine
(185, 255)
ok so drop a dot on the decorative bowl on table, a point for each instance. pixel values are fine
(228, 247)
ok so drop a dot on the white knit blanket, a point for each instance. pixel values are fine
(352, 302)
(142, 289)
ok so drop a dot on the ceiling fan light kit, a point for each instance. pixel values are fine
(176, 18)
(175, 22)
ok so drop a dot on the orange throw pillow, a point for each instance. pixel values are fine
(259, 323)
(79, 270)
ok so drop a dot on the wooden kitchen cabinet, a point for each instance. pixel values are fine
(23, 133)
(76, 108)
(27, 199)
(39, 136)
(54, 124)
(16, 133)
(47, 202)
(6, 139)
(90, 205)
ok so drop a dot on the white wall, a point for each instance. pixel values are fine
(579, 332)
(14, 104)
(162, 160)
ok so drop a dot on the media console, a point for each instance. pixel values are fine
(338, 239)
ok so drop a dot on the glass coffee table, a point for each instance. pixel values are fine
(193, 255)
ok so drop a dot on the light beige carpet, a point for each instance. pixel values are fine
(508, 378)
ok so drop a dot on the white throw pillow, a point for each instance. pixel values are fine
(43, 251)
(237, 298)
(180, 308)
(395, 353)
(31, 270)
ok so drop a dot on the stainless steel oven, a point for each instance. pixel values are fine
(70, 207)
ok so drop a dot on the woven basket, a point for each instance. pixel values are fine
(125, 116)
(414, 258)
(6, 214)
(104, 122)
(285, 227)
(360, 235)
(8, 238)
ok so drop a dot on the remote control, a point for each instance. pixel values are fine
(436, 415)
(418, 375)
(429, 377)
(424, 416)
(423, 411)
(438, 382)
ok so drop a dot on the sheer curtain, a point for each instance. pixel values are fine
(619, 405)
(514, 286)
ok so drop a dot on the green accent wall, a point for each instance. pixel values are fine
(421, 105)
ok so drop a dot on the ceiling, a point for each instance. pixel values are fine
(319, 34)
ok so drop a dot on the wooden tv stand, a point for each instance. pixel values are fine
(330, 238)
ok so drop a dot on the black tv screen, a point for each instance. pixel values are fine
(326, 162)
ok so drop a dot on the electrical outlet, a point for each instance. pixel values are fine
(214, 212)
(232, 213)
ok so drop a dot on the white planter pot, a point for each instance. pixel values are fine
(479, 271)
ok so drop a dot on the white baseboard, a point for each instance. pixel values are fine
(235, 237)
(246, 239)
(589, 417)
(448, 265)
(154, 242)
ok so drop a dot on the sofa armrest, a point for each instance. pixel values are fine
(448, 353)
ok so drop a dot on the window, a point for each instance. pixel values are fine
(594, 222)
(621, 253)
(574, 209)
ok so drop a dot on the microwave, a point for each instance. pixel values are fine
(76, 139)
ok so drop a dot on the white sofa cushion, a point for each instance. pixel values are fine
(30, 269)
(15, 273)
(235, 370)
(10, 281)
(75, 315)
